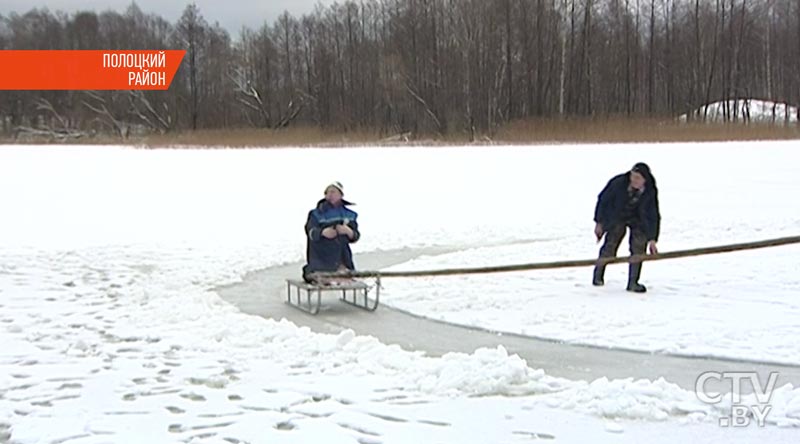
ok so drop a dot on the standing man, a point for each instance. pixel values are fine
(330, 229)
(629, 201)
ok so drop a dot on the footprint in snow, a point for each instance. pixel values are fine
(193, 397)
(285, 425)
(533, 435)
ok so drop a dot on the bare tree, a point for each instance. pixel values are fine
(52, 124)
(157, 119)
(191, 32)
(101, 107)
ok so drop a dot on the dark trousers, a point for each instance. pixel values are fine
(637, 242)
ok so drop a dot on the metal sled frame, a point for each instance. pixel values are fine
(353, 293)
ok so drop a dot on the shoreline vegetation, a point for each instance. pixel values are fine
(523, 132)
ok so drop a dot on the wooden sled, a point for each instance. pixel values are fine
(353, 292)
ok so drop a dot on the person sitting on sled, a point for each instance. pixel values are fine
(629, 200)
(330, 229)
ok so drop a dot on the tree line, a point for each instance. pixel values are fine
(420, 66)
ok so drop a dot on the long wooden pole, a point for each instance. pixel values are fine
(570, 263)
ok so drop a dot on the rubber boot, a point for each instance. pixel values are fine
(634, 270)
(599, 273)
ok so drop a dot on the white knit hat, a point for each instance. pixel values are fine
(336, 184)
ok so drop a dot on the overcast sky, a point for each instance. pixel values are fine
(231, 14)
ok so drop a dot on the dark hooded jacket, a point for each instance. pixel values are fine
(614, 204)
(323, 254)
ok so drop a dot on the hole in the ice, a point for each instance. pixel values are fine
(387, 417)
(285, 425)
(129, 397)
(164, 371)
(234, 398)
(70, 284)
(358, 429)
(433, 423)
(193, 396)
(175, 410)
(534, 435)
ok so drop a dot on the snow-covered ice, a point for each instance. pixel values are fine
(111, 331)
(740, 305)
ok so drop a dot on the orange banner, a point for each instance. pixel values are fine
(88, 70)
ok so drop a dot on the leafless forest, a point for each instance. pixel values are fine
(433, 67)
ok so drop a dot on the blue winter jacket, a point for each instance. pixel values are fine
(323, 254)
(612, 201)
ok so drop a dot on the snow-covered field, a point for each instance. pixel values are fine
(110, 332)
(756, 111)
